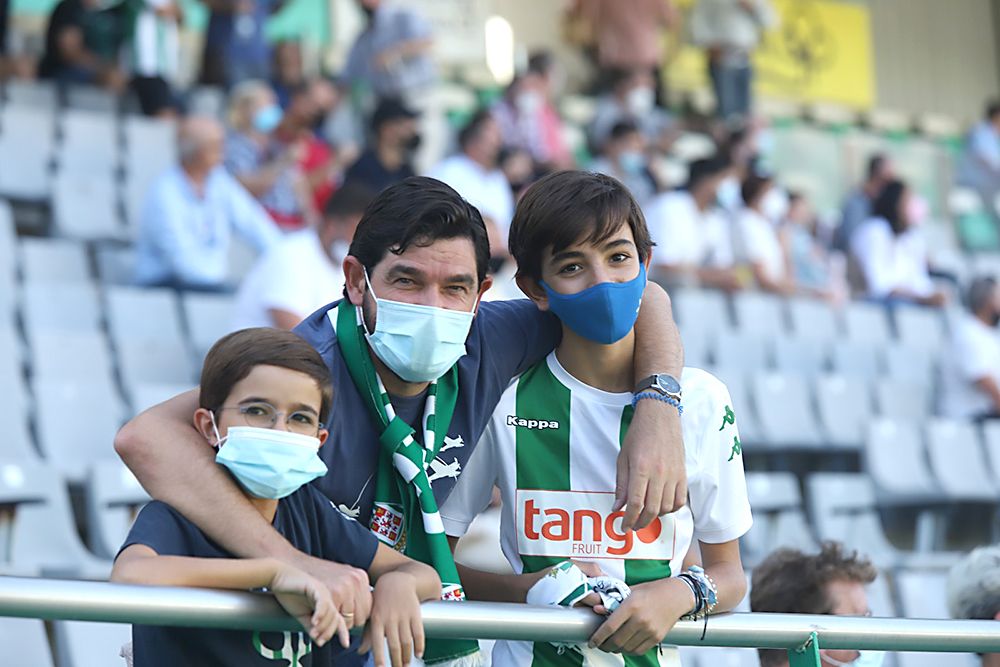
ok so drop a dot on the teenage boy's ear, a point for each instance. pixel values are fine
(533, 290)
(323, 435)
(203, 423)
(354, 276)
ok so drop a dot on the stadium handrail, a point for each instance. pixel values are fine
(77, 600)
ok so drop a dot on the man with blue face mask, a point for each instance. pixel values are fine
(624, 157)
(418, 364)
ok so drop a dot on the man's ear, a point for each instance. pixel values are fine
(483, 286)
(322, 435)
(533, 290)
(203, 423)
(354, 275)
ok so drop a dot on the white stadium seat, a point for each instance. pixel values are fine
(54, 261)
(759, 313)
(60, 308)
(895, 458)
(143, 314)
(813, 319)
(845, 406)
(114, 497)
(958, 462)
(859, 360)
(786, 413)
(81, 644)
(25, 638)
(866, 323)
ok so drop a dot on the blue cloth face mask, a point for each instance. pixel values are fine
(864, 659)
(632, 162)
(270, 463)
(418, 343)
(604, 313)
(267, 118)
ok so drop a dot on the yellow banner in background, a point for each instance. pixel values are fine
(820, 51)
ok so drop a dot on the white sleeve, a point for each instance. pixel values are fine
(751, 243)
(284, 285)
(665, 228)
(474, 490)
(718, 490)
(872, 246)
(972, 362)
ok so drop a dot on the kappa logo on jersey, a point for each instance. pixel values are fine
(574, 524)
(387, 523)
(292, 652)
(540, 424)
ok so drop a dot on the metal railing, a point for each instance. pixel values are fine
(54, 599)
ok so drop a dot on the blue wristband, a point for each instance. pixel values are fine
(658, 397)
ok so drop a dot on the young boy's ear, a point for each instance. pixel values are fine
(203, 423)
(322, 435)
(533, 291)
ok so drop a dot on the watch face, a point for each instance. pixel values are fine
(669, 384)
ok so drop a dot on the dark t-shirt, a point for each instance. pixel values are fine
(309, 522)
(374, 175)
(507, 338)
(103, 32)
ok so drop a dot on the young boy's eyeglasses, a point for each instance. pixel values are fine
(265, 415)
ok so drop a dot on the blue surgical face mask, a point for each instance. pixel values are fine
(418, 343)
(267, 118)
(604, 313)
(864, 659)
(269, 463)
(632, 162)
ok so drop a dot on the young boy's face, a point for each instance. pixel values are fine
(269, 397)
(585, 264)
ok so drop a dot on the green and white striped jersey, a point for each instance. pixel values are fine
(154, 48)
(551, 447)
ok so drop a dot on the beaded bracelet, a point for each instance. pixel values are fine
(705, 591)
(658, 397)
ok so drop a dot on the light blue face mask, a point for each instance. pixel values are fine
(632, 162)
(418, 343)
(269, 463)
(604, 313)
(267, 118)
(864, 659)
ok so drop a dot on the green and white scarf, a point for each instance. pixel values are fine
(405, 515)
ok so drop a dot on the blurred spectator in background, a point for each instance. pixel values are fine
(624, 158)
(528, 121)
(392, 55)
(555, 150)
(813, 268)
(304, 270)
(974, 591)
(830, 582)
(389, 156)
(858, 205)
(474, 173)
(979, 165)
(758, 240)
(730, 31)
(892, 253)
(632, 98)
(287, 73)
(236, 48)
(518, 168)
(154, 54)
(972, 365)
(693, 239)
(82, 43)
(190, 213)
(266, 167)
(629, 34)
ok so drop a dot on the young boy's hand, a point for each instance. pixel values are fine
(644, 619)
(308, 600)
(396, 619)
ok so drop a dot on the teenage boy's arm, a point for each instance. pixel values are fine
(401, 584)
(176, 466)
(302, 596)
(651, 479)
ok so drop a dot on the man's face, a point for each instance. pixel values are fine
(212, 149)
(399, 132)
(490, 139)
(848, 598)
(442, 275)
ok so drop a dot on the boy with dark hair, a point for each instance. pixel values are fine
(582, 250)
(830, 582)
(263, 392)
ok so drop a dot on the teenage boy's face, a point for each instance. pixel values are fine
(585, 264)
(292, 396)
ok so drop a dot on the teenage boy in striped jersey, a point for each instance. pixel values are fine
(582, 249)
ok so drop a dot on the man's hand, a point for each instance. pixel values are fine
(645, 618)
(651, 477)
(309, 601)
(348, 587)
(395, 620)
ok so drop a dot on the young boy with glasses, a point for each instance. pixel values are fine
(262, 394)
(582, 251)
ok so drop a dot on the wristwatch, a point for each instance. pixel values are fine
(661, 383)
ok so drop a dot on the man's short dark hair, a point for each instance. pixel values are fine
(234, 355)
(886, 205)
(472, 129)
(351, 199)
(621, 129)
(418, 211)
(875, 164)
(568, 207)
(981, 292)
(753, 185)
(705, 168)
(540, 62)
(792, 582)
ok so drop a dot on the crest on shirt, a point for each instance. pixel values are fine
(387, 523)
(452, 593)
(295, 646)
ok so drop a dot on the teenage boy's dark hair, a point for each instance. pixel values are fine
(418, 211)
(791, 582)
(568, 207)
(234, 355)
